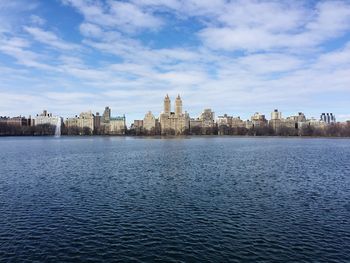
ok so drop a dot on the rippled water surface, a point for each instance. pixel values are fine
(175, 200)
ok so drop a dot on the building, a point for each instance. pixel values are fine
(292, 122)
(315, 123)
(276, 115)
(173, 122)
(16, 121)
(224, 120)
(236, 122)
(97, 123)
(298, 118)
(116, 126)
(137, 127)
(46, 118)
(327, 118)
(85, 121)
(106, 115)
(106, 124)
(196, 126)
(208, 118)
(229, 125)
(204, 124)
(276, 121)
(138, 124)
(296, 121)
(258, 120)
(149, 122)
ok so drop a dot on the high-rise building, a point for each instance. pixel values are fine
(47, 118)
(85, 120)
(208, 118)
(116, 125)
(276, 121)
(178, 106)
(106, 114)
(15, 121)
(97, 122)
(258, 120)
(328, 118)
(196, 126)
(224, 120)
(173, 122)
(149, 122)
(276, 115)
(167, 105)
(112, 125)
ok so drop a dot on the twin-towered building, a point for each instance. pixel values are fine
(173, 122)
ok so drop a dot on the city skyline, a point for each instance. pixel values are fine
(235, 57)
(175, 120)
(174, 109)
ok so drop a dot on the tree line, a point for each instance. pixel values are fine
(41, 130)
(333, 130)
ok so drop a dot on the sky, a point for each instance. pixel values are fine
(235, 57)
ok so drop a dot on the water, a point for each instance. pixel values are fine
(58, 127)
(217, 199)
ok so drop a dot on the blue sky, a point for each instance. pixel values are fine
(236, 57)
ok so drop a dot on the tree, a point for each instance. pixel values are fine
(196, 130)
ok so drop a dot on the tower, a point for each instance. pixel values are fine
(107, 114)
(276, 115)
(167, 106)
(178, 106)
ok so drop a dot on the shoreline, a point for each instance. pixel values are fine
(175, 137)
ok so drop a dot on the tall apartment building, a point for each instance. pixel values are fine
(85, 120)
(208, 118)
(47, 118)
(173, 122)
(328, 118)
(276, 121)
(112, 125)
(16, 121)
(149, 122)
(258, 120)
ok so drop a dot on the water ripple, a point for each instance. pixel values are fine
(198, 200)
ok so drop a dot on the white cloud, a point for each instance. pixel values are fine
(16, 47)
(90, 30)
(49, 38)
(124, 16)
(269, 25)
(12, 13)
(37, 20)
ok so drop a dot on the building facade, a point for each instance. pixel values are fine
(116, 126)
(85, 121)
(328, 118)
(46, 118)
(208, 118)
(109, 125)
(258, 120)
(149, 122)
(16, 121)
(175, 123)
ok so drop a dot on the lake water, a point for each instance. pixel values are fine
(212, 199)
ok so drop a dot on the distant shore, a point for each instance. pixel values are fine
(174, 136)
